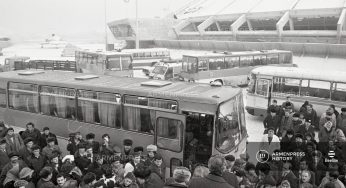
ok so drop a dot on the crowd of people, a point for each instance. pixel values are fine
(316, 143)
(34, 159)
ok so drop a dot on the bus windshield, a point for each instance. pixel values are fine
(228, 127)
(159, 70)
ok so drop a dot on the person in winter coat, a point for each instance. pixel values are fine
(286, 123)
(14, 141)
(129, 181)
(214, 178)
(146, 178)
(272, 120)
(287, 143)
(327, 133)
(14, 157)
(63, 182)
(32, 132)
(3, 129)
(311, 113)
(45, 135)
(341, 120)
(181, 177)
(327, 116)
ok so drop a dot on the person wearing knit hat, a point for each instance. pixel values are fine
(25, 173)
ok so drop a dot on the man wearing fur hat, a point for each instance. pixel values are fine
(48, 150)
(151, 151)
(127, 152)
(15, 165)
(181, 177)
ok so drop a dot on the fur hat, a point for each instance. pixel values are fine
(128, 142)
(181, 174)
(151, 148)
(20, 183)
(68, 157)
(138, 148)
(25, 172)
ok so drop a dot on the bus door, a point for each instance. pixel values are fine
(169, 138)
(263, 88)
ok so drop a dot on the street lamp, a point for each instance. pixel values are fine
(137, 31)
(105, 2)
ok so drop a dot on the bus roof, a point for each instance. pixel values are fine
(18, 57)
(237, 53)
(300, 73)
(181, 91)
(144, 50)
(104, 52)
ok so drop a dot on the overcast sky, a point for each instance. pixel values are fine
(25, 19)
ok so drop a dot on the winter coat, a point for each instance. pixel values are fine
(325, 136)
(44, 137)
(15, 144)
(341, 122)
(231, 179)
(323, 120)
(271, 121)
(154, 181)
(35, 135)
(209, 181)
(274, 145)
(313, 116)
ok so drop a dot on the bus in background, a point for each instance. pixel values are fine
(165, 70)
(147, 57)
(319, 88)
(22, 63)
(188, 122)
(15, 63)
(230, 68)
(107, 63)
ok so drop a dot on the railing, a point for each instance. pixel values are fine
(47, 65)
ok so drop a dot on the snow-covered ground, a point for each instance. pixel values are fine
(254, 124)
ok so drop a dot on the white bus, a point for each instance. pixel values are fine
(188, 122)
(230, 68)
(145, 57)
(319, 88)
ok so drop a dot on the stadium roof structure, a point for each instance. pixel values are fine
(269, 20)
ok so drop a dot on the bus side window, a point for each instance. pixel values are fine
(169, 73)
(3, 98)
(339, 92)
(169, 133)
(24, 97)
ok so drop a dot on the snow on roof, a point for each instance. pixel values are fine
(301, 73)
(319, 4)
(273, 5)
(240, 6)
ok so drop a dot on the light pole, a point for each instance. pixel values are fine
(105, 2)
(137, 31)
